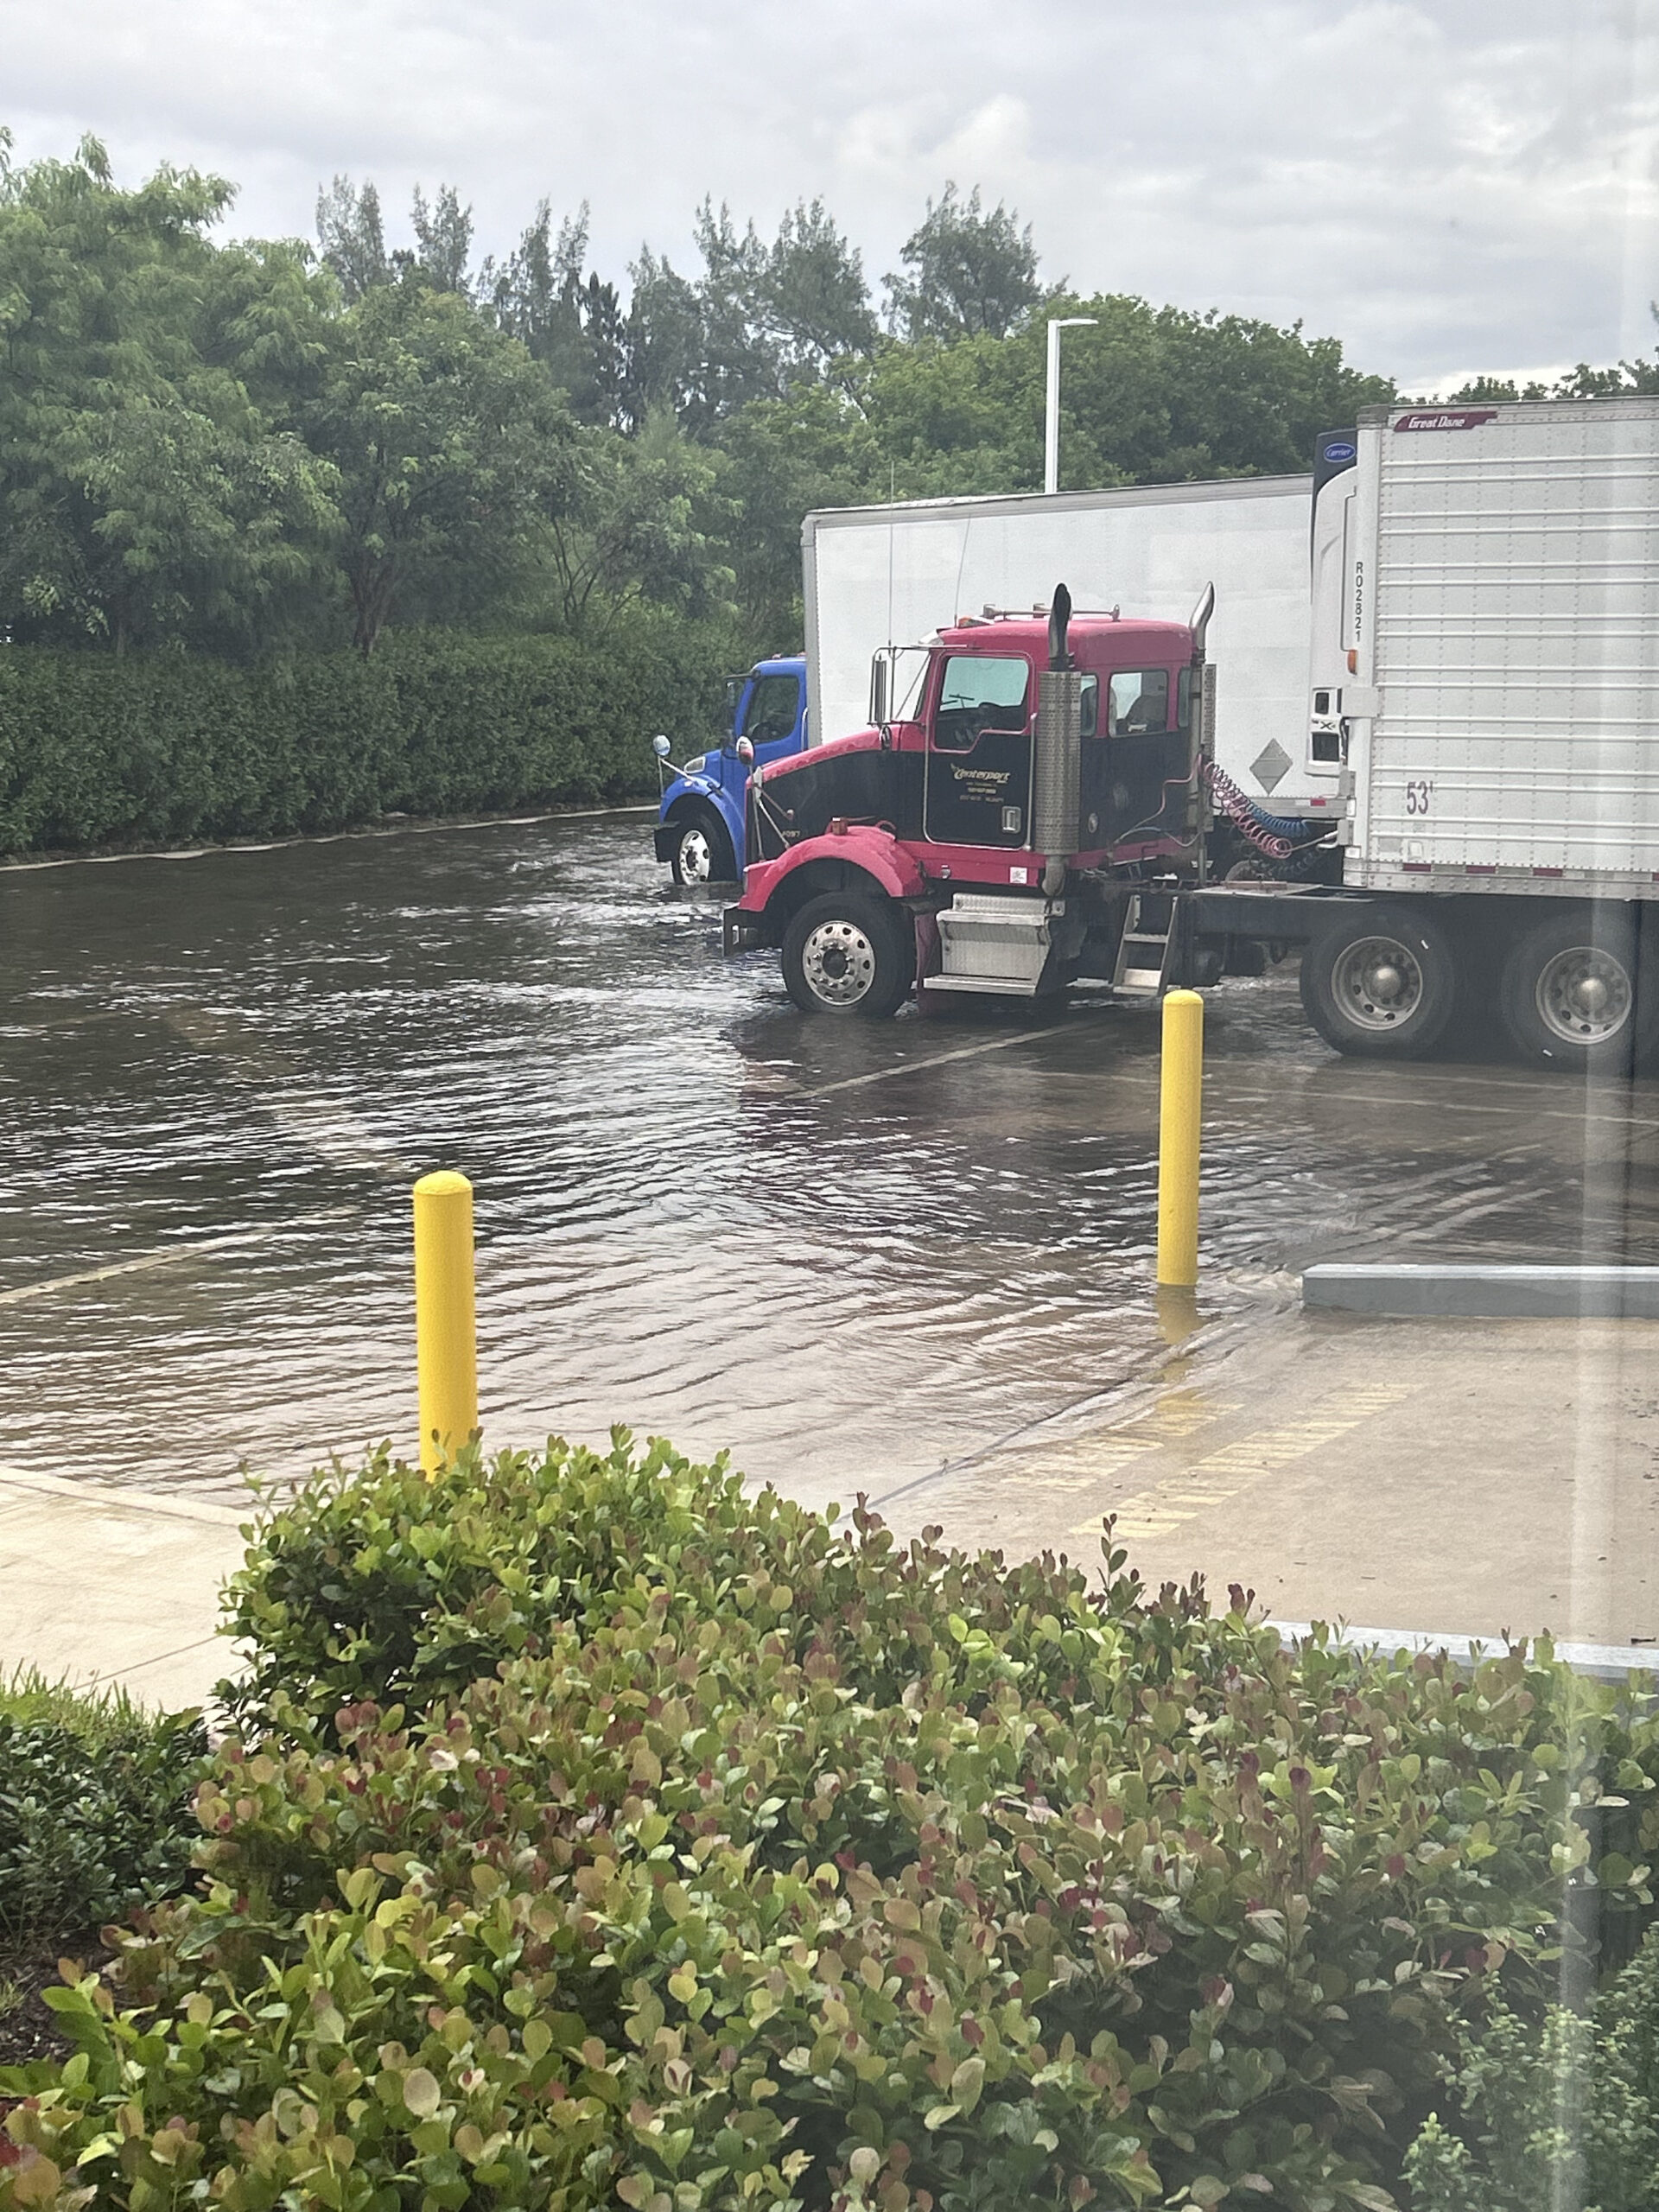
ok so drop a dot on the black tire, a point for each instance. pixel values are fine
(1572, 995)
(703, 851)
(850, 953)
(1380, 984)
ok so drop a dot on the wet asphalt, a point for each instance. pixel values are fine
(850, 1254)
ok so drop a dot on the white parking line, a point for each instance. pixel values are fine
(939, 1059)
(169, 1255)
(1222, 1093)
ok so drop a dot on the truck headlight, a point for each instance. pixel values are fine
(695, 767)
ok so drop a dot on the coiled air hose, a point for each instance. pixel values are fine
(1276, 835)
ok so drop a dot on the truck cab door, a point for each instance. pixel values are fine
(1136, 756)
(977, 787)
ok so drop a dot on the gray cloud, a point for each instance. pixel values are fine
(1469, 184)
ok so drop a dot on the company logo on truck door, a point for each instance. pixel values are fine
(1446, 418)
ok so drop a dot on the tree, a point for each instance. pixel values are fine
(632, 522)
(445, 233)
(449, 442)
(816, 301)
(742, 359)
(352, 239)
(573, 326)
(1583, 382)
(151, 487)
(531, 295)
(783, 457)
(758, 320)
(664, 343)
(220, 446)
(966, 274)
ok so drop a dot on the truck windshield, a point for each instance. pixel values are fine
(773, 705)
(979, 694)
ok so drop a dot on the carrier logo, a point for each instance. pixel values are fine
(1446, 418)
(1340, 450)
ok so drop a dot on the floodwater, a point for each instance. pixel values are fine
(851, 1254)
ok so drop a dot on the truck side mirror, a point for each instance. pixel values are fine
(745, 752)
(660, 746)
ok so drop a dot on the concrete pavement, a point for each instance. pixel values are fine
(1452, 1475)
(1459, 1477)
(99, 1586)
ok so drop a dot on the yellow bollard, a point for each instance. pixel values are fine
(445, 1317)
(1179, 1119)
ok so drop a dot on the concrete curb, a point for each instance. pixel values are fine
(416, 828)
(1607, 1662)
(1408, 1290)
(110, 1498)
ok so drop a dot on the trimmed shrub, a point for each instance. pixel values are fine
(601, 1835)
(165, 749)
(1553, 2114)
(95, 1810)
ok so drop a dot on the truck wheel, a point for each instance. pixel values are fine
(1570, 995)
(702, 852)
(848, 953)
(1380, 985)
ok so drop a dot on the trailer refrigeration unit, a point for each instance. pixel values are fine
(1482, 708)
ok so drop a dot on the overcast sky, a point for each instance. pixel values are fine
(1445, 185)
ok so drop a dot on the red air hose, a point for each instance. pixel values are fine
(1243, 815)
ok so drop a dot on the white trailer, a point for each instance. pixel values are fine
(894, 575)
(1484, 701)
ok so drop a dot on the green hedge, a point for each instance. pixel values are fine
(99, 752)
(1551, 2114)
(94, 1813)
(601, 1835)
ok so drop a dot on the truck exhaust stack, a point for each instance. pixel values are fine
(1057, 763)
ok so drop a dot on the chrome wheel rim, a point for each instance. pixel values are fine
(697, 857)
(1583, 995)
(1378, 982)
(838, 962)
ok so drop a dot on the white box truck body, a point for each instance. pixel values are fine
(894, 575)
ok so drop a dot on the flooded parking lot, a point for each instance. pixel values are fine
(850, 1253)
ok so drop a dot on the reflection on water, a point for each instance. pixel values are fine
(850, 1254)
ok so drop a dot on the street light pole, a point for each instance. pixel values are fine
(1052, 420)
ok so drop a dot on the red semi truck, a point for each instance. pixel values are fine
(1020, 818)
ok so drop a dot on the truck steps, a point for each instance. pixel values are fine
(1143, 949)
(993, 943)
